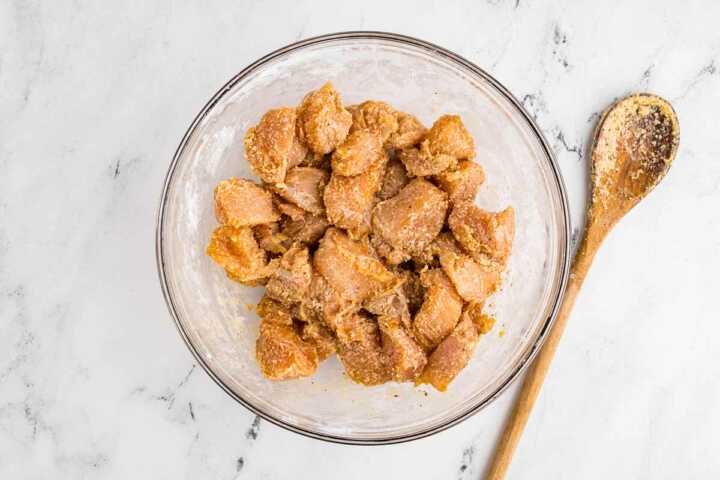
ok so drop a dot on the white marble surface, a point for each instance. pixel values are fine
(95, 381)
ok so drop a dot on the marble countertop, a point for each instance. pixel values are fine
(94, 379)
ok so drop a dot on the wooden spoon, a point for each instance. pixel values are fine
(634, 144)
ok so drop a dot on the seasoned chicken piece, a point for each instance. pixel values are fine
(273, 311)
(410, 132)
(462, 183)
(419, 162)
(412, 219)
(350, 267)
(483, 323)
(236, 250)
(445, 143)
(448, 136)
(406, 358)
(360, 350)
(451, 356)
(360, 149)
(391, 255)
(392, 303)
(282, 354)
(324, 303)
(308, 229)
(377, 117)
(239, 202)
(474, 282)
(394, 180)
(480, 232)
(304, 187)
(440, 310)
(290, 281)
(270, 239)
(272, 145)
(349, 200)
(412, 289)
(323, 123)
(317, 334)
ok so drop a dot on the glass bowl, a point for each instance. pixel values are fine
(214, 315)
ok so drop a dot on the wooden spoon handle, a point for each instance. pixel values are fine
(537, 371)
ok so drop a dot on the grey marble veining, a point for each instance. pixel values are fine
(96, 383)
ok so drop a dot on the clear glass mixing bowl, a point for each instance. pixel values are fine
(212, 312)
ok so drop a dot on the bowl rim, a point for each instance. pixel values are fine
(454, 58)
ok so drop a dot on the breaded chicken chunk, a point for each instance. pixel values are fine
(236, 250)
(480, 232)
(411, 219)
(350, 267)
(451, 356)
(440, 310)
(240, 202)
(360, 350)
(406, 358)
(282, 354)
(349, 200)
(304, 187)
(272, 146)
(360, 149)
(323, 123)
(290, 281)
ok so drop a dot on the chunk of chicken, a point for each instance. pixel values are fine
(282, 354)
(290, 281)
(240, 202)
(406, 358)
(360, 149)
(412, 219)
(317, 334)
(323, 122)
(480, 232)
(304, 187)
(394, 180)
(440, 311)
(236, 250)
(483, 323)
(324, 303)
(273, 311)
(359, 349)
(448, 136)
(451, 356)
(463, 183)
(419, 162)
(473, 281)
(349, 200)
(410, 132)
(377, 117)
(272, 145)
(307, 229)
(350, 267)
